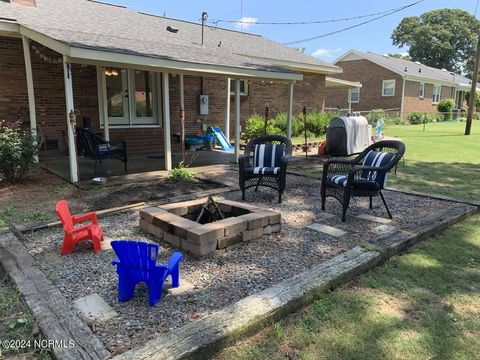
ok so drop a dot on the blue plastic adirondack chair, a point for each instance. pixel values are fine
(137, 263)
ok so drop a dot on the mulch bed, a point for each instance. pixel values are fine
(221, 280)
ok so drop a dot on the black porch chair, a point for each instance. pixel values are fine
(95, 147)
(364, 176)
(264, 163)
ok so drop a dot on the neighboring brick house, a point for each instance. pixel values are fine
(57, 56)
(392, 83)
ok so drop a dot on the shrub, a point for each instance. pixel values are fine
(317, 122)
(181, 173)
(445, 106)
(280, 122)
(255, 126)
(477, 98)
(17, 152)
(416, 118)
(388, 119)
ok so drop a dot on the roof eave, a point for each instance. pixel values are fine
(299, 66)
(334, 83)
(102, 57)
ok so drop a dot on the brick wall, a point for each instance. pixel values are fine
(50, 99)
(412, 101)
(371, 76)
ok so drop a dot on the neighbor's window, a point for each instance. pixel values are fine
(388, 88)
(243, 87)
(421, 90)
(436, 93)
(354, 95)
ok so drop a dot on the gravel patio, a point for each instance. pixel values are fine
(219, 280)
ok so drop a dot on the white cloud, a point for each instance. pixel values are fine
(245, 22)
(326, 53)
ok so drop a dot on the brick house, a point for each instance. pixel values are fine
(86, 56)
(397, 84)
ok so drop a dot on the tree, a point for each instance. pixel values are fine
(400, 56)
(444, 38)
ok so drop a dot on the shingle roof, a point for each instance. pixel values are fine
(99, 26)
(399, 66)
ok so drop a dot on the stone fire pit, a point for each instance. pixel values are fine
(175, 224)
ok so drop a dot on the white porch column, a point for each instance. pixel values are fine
(30, 90)
(102, 104)
(166, 122)
(237, 119)
(290, 111)
(72, 150)
(349, 99)
(227, 112)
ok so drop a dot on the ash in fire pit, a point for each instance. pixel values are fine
(221, 224)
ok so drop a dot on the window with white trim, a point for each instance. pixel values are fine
(131, 97)
(421, 90)
(388, 88)
(354, 95)
(243, 87)
(437, 89)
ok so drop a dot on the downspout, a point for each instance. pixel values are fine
(403, 98)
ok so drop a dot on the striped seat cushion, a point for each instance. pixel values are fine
(267, 155)
(263, 170)
(376, 159)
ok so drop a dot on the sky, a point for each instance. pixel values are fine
(374, 36)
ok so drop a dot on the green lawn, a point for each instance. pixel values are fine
(422, 305)
(440, 159)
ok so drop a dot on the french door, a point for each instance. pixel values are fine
(132, 97)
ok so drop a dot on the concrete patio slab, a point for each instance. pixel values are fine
(384, 229)
(94, 308)
(374, 218)
(326, 229)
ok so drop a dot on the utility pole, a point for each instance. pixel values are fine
(473, 90)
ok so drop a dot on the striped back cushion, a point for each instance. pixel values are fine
(376, 159)
(268, 155)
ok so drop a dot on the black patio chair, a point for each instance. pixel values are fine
(264, 163)
(364, 176)
(95, 147)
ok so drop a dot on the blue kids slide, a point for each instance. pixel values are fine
(221, 138)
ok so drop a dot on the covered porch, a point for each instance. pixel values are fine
(159, 90)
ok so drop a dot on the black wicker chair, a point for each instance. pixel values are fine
(93, 146)
(264, 163)
(363, 176)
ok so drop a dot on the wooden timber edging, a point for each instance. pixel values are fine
(203, 337)
(209, 334)
(32, 227)
(434, 196)
(55, 316)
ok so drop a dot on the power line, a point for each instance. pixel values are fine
(353, 26)
(216, 22)
(476, 8)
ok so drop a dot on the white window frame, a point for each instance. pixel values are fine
(436, 96)
(421, 90)
(383, 87)
(350, 96)
(129, 120)
(233, 87)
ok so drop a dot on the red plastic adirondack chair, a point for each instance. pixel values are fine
(75, 234)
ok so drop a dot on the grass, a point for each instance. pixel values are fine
(301, 140)
(13, 214)
(17, 323)
(422, 305)
(440, 159)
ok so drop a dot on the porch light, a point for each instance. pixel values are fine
(111, 72)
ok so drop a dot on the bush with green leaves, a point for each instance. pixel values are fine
(416, 118)
(477, 98)
(181, 173)
(17, 151)
(255, 126)
(389, 119)
(445, 106)
(317, 122)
